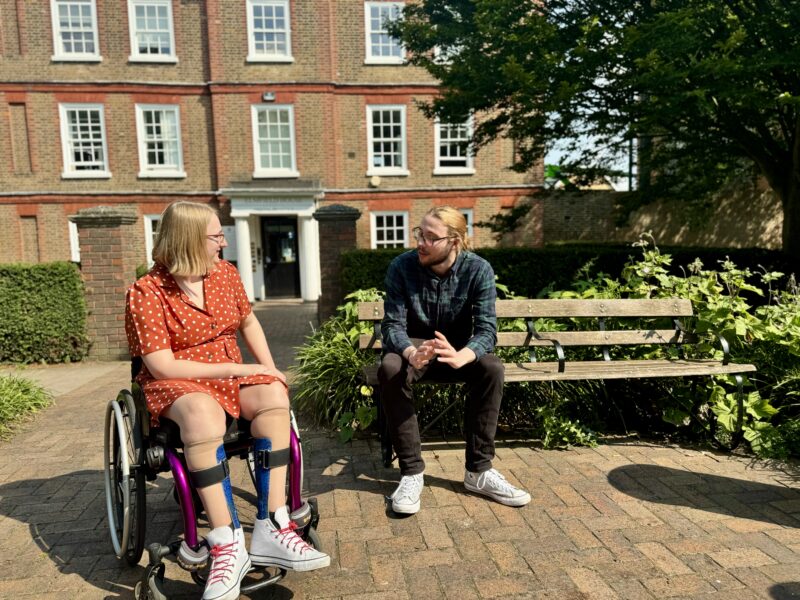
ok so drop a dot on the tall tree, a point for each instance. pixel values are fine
(708, 88)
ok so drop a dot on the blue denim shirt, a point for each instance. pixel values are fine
(460, 305)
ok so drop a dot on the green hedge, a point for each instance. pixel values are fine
(528, 271)
(43, 318)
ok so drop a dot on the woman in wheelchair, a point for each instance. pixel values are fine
(182, 318)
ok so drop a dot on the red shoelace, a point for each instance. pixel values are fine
(222, 559)
(292, 539)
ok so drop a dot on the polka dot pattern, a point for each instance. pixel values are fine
(160, 316)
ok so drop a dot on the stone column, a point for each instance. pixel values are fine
(108, 268)
(337, 233)
(244, 256)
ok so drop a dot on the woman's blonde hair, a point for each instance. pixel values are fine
(181, 240)
(455, 221)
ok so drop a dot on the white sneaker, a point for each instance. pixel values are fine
(491, 483)
(229, 563)
(279, 545)
(405, 499)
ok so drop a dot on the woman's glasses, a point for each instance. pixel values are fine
(217, 237)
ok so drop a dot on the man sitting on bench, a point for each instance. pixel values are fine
(445, 295)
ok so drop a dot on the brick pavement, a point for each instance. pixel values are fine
(625, 520)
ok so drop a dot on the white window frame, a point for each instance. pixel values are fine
(373, 229)
(469, 215)
(149, 236)
(401, 171)
(469, 169)
(149, 171)
(74, 242)
(258, 170)
(135, 56)
(252, 55)
(69, 171)
(59, 54)
(368, 31)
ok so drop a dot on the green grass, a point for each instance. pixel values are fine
(19, 398)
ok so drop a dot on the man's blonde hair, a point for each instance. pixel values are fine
(181, 240)
(455, 221)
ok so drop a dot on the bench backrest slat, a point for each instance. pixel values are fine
(511, 339)
(570, 308)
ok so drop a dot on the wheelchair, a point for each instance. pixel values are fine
(134, 452)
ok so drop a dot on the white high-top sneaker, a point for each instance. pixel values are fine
(279, 545)
(229, 563)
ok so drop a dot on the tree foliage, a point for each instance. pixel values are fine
(707, 88)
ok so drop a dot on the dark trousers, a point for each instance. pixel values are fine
(484, 380)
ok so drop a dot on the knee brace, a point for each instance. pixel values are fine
(218, 473)
(265, 459)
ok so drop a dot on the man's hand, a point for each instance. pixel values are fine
(421, 356)
(449, 355)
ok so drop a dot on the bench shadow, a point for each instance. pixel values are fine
(66, 518)
(785, 591)
(767, 502)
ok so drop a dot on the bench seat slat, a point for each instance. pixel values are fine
(507, 339)
(615, 369)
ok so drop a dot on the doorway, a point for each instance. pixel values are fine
(281, 263)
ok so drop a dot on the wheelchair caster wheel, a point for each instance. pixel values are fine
(151, 586)
(312, 537)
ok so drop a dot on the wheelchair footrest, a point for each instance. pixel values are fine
(268, 579)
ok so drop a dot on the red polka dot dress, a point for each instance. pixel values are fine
(160, 316)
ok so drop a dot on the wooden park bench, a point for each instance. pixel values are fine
(594, 315)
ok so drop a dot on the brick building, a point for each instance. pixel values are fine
(268, 109)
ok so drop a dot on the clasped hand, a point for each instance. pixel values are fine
(441, 349)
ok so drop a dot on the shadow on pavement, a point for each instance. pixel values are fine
(785, 591)
(66, 519)
(713, 493)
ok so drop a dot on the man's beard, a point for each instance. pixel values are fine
(432, 262)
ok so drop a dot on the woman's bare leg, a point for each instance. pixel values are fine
(202, 423)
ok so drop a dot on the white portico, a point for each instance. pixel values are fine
(277, 241)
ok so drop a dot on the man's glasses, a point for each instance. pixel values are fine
(426, 239)
(217, 237)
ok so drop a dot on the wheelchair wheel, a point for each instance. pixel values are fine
(312, 537)
(123, 454)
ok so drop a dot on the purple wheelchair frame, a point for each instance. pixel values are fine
(184, 488)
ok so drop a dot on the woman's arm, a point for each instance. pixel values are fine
(256, 342)
(162, 364)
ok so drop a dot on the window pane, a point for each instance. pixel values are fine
(381, 43)
(270, 27)
(85, 140)
(275, 139)
(75, 26)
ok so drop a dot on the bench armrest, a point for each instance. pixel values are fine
(559, 348)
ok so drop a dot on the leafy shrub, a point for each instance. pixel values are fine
(44, 313)
(19, 397)
(327, 383)
(759, 320)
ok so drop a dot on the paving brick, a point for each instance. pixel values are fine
(591, 583)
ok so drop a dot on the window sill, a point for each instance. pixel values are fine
(86, 58)
(162, 175)
(388, 172)
(86, 175)
(256, 59)
(162, 60)
(454, 171)
(386, 62)
(285, 174)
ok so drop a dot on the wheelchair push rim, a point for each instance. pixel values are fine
(124, 478)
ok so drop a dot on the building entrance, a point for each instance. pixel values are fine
(281, 260)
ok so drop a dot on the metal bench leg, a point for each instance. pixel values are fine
(738, 434)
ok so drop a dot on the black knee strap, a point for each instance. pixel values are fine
(269, 459)
(210, 476)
